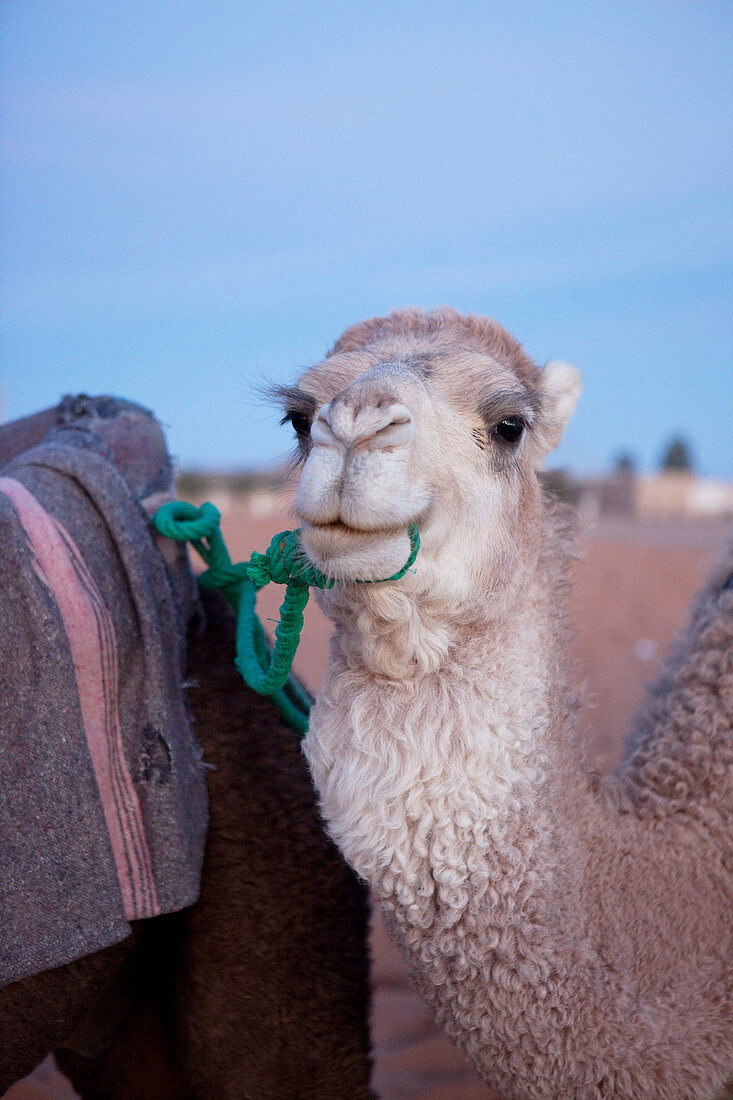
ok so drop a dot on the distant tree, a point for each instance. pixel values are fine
(677, 456)
(625, 465)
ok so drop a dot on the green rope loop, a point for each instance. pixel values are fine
(414, 533)
(284, 562)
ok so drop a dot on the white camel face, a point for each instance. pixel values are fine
(413, 429)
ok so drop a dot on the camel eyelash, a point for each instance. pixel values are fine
(507, 406)
(295, 402)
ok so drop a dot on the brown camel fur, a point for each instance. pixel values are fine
(260, 989)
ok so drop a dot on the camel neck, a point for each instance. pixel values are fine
(517, 889)
(477, 725)
(455, 794)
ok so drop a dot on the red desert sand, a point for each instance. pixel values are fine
(631, 587)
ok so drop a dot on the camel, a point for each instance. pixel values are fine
(572, 935)
(260, 989)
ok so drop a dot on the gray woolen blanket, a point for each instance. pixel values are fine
(103, 807)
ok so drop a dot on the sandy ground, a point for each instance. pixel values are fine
(632, 585)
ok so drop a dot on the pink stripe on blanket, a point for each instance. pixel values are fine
(93, 647)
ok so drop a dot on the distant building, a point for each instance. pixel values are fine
(671, 494)
(257, 493)
(674, 493)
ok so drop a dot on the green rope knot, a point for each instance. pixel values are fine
(185, 522)
(284, 562)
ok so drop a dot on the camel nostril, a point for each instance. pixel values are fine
(396, 433)
(322, 433)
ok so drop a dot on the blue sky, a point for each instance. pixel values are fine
(199, 196)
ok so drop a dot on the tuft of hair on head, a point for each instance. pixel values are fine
(447, 331)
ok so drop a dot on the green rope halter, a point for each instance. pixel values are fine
(284, 562)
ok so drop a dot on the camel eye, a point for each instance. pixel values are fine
(301, 423)
(510, 430)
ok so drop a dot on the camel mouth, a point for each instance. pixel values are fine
(338, 527)
(355, 553)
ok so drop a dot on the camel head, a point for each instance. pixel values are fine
(430, 417)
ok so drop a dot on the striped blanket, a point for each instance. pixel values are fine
(102, 795)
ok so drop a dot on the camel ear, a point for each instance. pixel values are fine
(560, 388)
